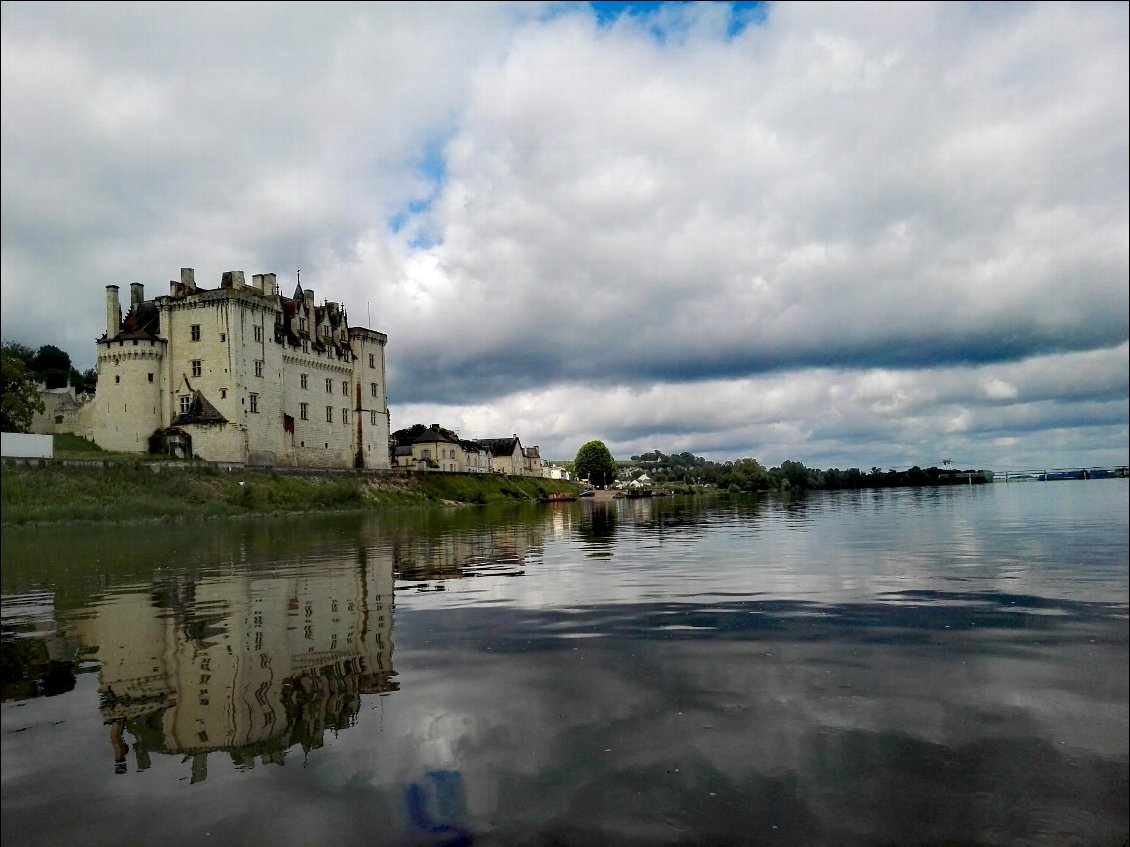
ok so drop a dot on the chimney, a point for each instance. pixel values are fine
(136, 294)
(309, 292)
(270, 285)
(188, 278)
(113, 312)
(257, 282)
(232, 279)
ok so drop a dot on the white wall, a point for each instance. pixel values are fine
(27, 446)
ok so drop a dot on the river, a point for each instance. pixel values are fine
(911, 666)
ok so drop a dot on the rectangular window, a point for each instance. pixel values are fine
(223, 394)
(305, 346)
(345, 416)
(329, 414)
(304, 381)
(197, 367)
(185, 402)
(302, 324)
(258, 333)
(373, 388)
(345, 388)
(372, 360)
(373, 418)
(258, 367)
(150, 377)
(255, 402)
(304, 411)
(329, 385)
(196, 332)
(278, 318)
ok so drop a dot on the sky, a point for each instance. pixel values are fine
(849, 235)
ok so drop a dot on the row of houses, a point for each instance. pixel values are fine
(437, 450)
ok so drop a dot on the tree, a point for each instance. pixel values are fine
(52, 366)
(595, 464)
(20, 398)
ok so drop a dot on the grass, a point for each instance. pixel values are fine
(133, 487)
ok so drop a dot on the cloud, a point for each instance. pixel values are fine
(828, 232)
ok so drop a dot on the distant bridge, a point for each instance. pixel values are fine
(1055, 474)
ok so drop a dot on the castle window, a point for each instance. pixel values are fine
(345, 416)
(117, 378)
(372, 360)
(329, 385)
(223, 394)
(304, 381)
(150, 377)
(58, 419)
(345, 388)
(258, 367)
(196, 332)
(304, 411)
(223, 337)
(197, 367)
(373, 418)
(278, 318)
(329, 414)
(305, 346)
(258, 333)
(373, 388)
(254, 402)
(302, 324)
(185, 403)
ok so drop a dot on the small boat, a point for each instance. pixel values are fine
(559, 497)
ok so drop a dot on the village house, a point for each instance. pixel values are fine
(239, 373)
(510, 457)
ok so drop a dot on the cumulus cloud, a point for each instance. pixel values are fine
(839, 235)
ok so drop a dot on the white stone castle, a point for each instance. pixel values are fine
(238, 374)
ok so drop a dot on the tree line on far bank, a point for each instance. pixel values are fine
(595, 463)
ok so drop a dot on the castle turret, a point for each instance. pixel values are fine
(113, 312)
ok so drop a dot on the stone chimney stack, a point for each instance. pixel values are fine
(136, 294)
(188, 278)
(257, 282)
(232, 279)
(113, 312)
(309, 292)
(270, 285)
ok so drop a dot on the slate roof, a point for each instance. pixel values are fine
(200, 411)
(500, 446)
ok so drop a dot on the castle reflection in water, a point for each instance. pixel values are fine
(251, 664)
(251, 661)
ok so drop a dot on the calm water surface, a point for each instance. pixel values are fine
(928, 666)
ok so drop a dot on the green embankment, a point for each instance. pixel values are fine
(135, 488)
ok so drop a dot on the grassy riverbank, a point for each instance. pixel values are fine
(129, 488)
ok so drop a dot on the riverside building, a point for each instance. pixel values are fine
(238, 374)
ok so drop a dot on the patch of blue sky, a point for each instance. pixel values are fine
(432, 170)
(742, 14)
